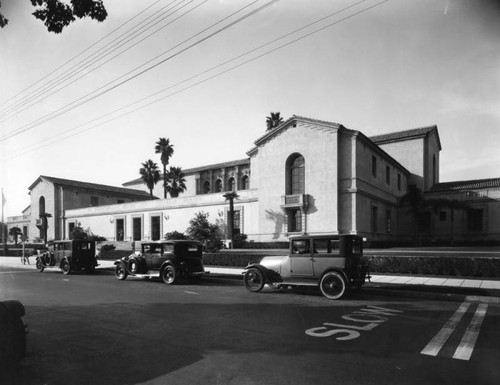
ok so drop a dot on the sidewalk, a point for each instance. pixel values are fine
(473, 289)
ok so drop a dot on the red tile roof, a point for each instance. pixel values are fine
(466, 185)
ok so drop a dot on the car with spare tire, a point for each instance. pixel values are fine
(334, 263)
(69, 256)
(170, 260)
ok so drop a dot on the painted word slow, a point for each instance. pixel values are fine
(368, 318)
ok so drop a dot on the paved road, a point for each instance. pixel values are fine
(98, 330)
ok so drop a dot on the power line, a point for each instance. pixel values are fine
(79, 54)
(90, 96)
(117, 43)
(270, 51)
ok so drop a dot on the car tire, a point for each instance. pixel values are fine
(169, 275)
(39, 266)
(65, 267)
(332, 285)
(121, 272)
(133, 265)
(254, 280)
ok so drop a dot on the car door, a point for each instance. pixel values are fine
(301, 263)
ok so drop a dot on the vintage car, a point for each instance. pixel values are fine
(69, 255)
(170, 260)
(332, 262)
(12, 334)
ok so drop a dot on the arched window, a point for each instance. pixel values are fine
(295, 175)
(41, 206)
(231, 186)
(218, 185)
(245, 182)
(206, 187)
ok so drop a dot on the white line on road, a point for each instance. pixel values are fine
(191, 292)
(464, 350)
(433, 347)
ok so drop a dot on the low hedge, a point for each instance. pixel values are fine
(114, 254)
(445, 266)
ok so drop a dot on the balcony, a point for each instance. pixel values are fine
(294, 201)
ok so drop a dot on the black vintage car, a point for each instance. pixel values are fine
(331, 262)
(12, 335)
(169, 260)
(70, 255)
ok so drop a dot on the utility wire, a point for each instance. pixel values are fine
(79, 54)
(270, 51)
(89, 97)
(117, 43)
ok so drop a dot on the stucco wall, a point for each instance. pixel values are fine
(318, 146)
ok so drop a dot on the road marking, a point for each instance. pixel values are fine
(433, 347)
(464, 350)
(191, 292)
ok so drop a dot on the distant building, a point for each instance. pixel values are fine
(304, 176)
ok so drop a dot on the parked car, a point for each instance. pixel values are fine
(170, 260)
(69, 255)
(12, 334)
(332, 262)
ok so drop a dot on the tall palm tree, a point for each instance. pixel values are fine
(150, 175)
(166, 150)
(176, 182)
(274, 120)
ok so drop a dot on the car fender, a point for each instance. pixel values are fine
(124, 263)
(270, 275)
(167, 263)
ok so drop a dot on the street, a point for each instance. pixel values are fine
(94, 329)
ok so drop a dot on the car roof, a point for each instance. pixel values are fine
(170, 241)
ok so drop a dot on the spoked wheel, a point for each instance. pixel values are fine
(168, 275)
(254, 280)
(39, 266)
(332, 285)
(120, 272)
(65, 267)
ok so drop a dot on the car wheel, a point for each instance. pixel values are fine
(133, 265)
(120, 272)
(39, 266)
(168, 275)
(65, 267)
(332, 285)
(254, 280)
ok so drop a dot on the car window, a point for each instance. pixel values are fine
(168, 248)
(326, 246)
(301, 246)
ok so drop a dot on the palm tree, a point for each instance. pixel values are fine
(176, 183)
(150, 175)
(274, 120)
(166, 150)
(15, 232)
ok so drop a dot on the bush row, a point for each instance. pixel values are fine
(446, 266)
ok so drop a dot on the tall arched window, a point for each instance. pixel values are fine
(41, 206)
(231, 186)
(295, 175)
(206, 187)
(218, 185)
(245, 182)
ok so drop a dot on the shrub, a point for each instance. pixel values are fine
(239, 241)
(175, 235)
(108, 247)
(208, 233)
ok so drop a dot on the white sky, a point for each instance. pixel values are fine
(400, 65)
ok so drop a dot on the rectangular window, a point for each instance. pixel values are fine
(137, 229)
(388, 221)
(475, 220)
(25, 231)
(442, 216)
(94, 201)
(237, 222)
(374, 166)
(294, 221)
(120, 230)
(374, 219)
(155, 228)
(121, 201)
(387, 175)
(399, 182)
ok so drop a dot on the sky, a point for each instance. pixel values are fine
(90, 103)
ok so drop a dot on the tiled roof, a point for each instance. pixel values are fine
(91, 186)
(466, 185)
(195, 170)
(403, 135)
